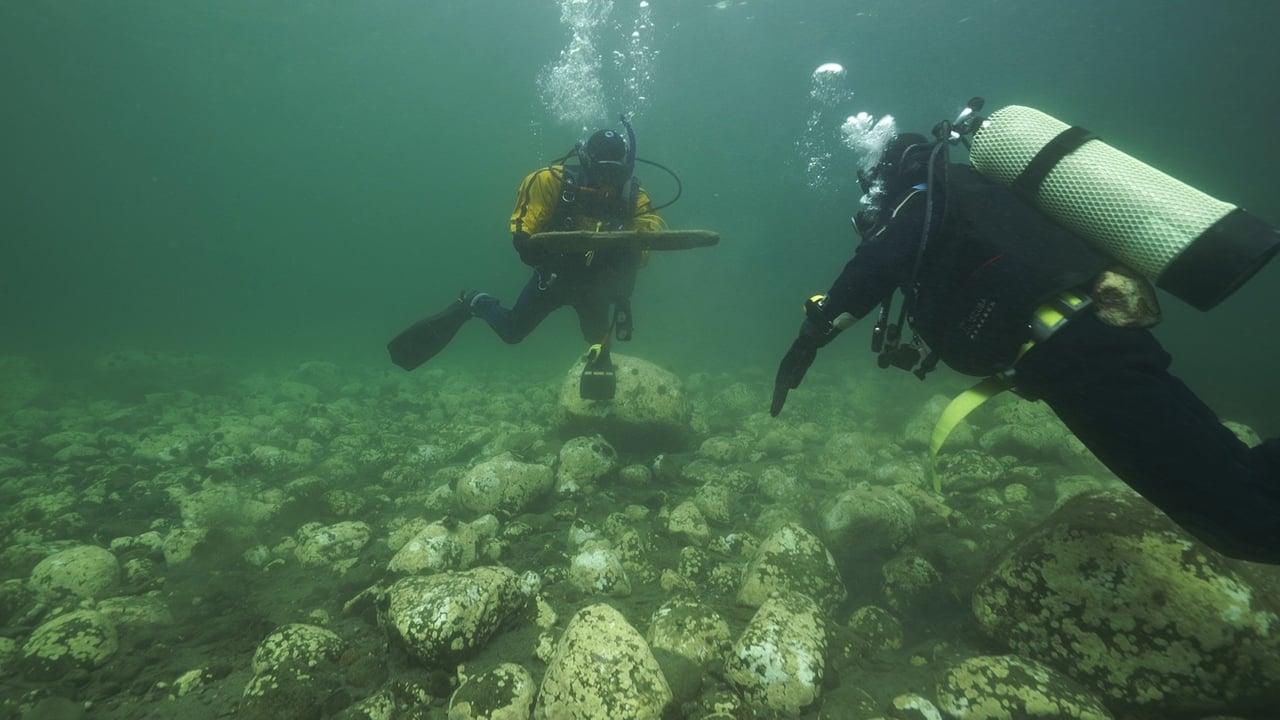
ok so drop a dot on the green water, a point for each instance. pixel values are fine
(269, 183)
(299, 180)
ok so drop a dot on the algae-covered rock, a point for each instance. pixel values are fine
(872, 630)
(688, 524)
(336, 546)
(449, 615)
(910, 582)
(968, 470)
(78, 640)
(792, 559)
(85, 571)
(599, 571)
(778, 662)
(602, 669)
(1112, 593)
(136, 613)
(910, 706)
(296, 645)
(869, 519)
(585, 461)
(649, 410)
(1026, 430)
(689, 629)
(504, 693)
(503, 485)
(433, 549)
(1008, 687)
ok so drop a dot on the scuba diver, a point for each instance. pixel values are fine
(599, 193)
(1003, 277)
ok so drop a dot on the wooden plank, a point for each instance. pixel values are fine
(581, 241)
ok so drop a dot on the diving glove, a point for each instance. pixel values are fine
(815, 332)
(529, 255)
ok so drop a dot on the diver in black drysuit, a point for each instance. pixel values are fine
(991, 262)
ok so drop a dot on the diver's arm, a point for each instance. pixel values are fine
(535, 204)
(882, 262)
(646, 220)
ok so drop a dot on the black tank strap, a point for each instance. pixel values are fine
(1032, 176)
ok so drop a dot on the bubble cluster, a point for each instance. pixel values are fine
(580, 88)
(828, 89)
(867, 137)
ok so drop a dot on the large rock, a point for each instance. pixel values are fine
(1009, 687)
(502, 485)
(689, 629)
(297, 645)
(449, 615)
(85, 571)
(78, 640)
(584, 461)
(294, 674)
(649, 410)
(1110, 592)
(334, 546)
(598, 570)
(869, 519)
(504, 693)
(792, 559)
(433, 549)
(778, 663)
(602, 670)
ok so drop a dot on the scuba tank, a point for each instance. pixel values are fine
(1193, 246)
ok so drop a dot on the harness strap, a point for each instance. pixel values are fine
(1047, 320)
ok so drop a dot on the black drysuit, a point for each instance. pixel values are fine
(1110, 386)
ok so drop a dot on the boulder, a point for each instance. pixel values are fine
(334, 546)
(602, 670)
(910, 583)
(777, 664)
(585, 461)
(690, 630)
(1112, 593)
(598, 570)
(78, 640)
(504, 693)
(84, 571)
(688, 524)
(502, 485)
(449, 615)
(433, 549)
(1008, 687)
(869, 519)
(648, 412)
(296, 645)
(792, 559)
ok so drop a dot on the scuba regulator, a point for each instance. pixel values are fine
(886, 336)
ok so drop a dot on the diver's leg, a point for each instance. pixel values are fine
(538, 299)
(593, 318)
(1112, 388)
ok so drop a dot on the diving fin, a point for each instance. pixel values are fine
(426, 338)
(598, 381)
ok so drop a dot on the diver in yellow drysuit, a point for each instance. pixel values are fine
(599, 193)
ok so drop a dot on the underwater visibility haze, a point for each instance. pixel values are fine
(219, 497)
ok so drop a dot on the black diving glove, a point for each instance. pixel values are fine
(815, 332)
(529, 255)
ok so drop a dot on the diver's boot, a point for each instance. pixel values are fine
(426, 338)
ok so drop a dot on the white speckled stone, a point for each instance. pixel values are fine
(778, 663)
(602, 670)
(448, 615)
(85, 571)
